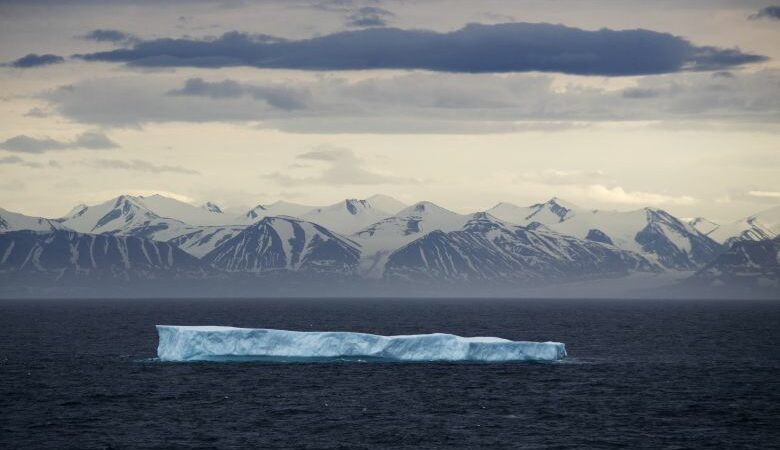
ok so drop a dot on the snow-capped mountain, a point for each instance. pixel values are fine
(759, 226)
(198, 241)
(347, 216)
(11, 221)
(747, 264)
(382, 238)
(212, 207)
(132, 216)
(286, 243)
(125, 215)
(552, 211)
(650, 231)
(208, 214)
(487, 249)
(276, 209)
(63, 253)
(126, 212)
(386, 203)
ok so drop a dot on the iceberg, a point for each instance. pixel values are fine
(213, 343)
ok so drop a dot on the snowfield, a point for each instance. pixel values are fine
(212, 343)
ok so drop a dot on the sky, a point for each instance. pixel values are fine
(608, 104)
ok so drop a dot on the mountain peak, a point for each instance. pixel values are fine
(354, 205)
(76, 211)
(386, 203)
(212, 207)
(557, 201)
(423, 207)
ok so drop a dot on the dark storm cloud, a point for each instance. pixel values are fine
(107, 35)
(26, 144)
(369, 16)
(34, 60)
(476, 48)
(770, 12)
(277, 96)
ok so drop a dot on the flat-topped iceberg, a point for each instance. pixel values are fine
(210, 343)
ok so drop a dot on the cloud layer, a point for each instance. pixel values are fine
(418, 102)
(476, 48)
(138, 166)
(277, 96)
(369, 16)
(88, 140)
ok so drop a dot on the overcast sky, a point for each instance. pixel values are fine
(608, 104)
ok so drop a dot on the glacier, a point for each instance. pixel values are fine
(216, 343)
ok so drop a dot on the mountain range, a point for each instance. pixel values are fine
(378, 241)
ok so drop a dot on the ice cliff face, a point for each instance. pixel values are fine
(207, 343)
(285, 243)
(489, 249)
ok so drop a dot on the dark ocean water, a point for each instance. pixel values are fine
(641, 374)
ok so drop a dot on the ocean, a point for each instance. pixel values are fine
(666, 374)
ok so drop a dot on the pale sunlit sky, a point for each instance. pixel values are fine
(608, 104)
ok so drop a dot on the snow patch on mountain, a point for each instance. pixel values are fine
(552, 211)
(347, 216)
(487, 249)
(759, 226)
(286, 243)
(12, 221)
(280, 208)
(382, 238)
(650, 231)
(747, 264)
(68, 253)
(702, 225)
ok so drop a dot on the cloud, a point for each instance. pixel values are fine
(617, 194)
(640, 93)
(476, 48)
(420, 102)
(35, 60)
(342, 168)
(36, 112)
(88, 140)
(138, 166)
(599, 186)
(108, 35)
(770, 12)
(15, 160)
(751, 194)
(369, 16)
(567, 177)
(765, 194)
(275, 95)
